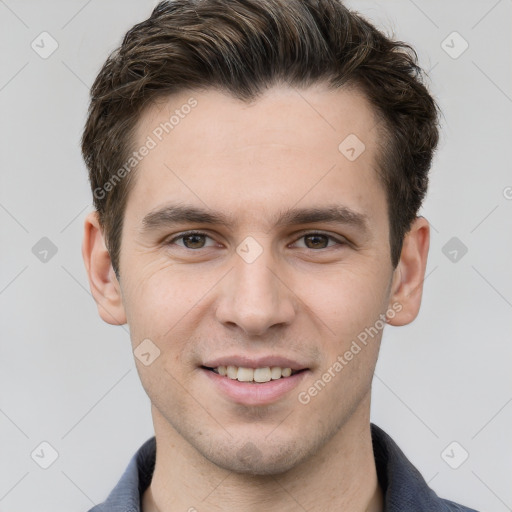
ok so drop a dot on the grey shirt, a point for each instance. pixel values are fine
(404, 488)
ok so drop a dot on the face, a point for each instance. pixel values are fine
(252, 241)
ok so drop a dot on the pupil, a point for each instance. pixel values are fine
(316, 241)
(194, 241)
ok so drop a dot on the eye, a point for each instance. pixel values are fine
(195, 240)
(192, 240)
(319, 241)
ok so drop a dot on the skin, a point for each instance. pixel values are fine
(305, 298)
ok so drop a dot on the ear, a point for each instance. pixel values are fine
(408, 276)
(103, 282)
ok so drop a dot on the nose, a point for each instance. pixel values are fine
(255, 297)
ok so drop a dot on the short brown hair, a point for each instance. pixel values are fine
(242, 47)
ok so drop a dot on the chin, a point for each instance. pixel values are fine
(258, 458)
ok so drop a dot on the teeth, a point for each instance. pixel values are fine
(286, 372)
(262, 374)
(242, 374)
(275, 372)
(232, 372)
(245, 374)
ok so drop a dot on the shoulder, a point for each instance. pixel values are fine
(403, 485)
(456, 507)
(126, 495)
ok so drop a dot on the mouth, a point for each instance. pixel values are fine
(254, 382)
(260, 375)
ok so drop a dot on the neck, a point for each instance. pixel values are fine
(340, 476)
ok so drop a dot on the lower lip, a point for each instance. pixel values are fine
(248, 393)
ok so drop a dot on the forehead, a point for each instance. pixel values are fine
(326, 115)
(287, 146)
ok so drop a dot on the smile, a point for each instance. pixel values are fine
(253, 386)
(255, 375)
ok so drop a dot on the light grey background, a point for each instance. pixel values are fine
(69, 379)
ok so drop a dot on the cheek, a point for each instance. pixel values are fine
(348, 306)
(348, 300)
(160, 299)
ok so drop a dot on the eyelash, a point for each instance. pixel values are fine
(303, 235)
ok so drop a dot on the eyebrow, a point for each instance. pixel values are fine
(180, 214)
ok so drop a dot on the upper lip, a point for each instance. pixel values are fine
(255, 362)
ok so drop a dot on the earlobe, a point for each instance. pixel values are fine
(103, 282)
(407, 285)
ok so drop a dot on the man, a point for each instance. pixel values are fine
(257, 168)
